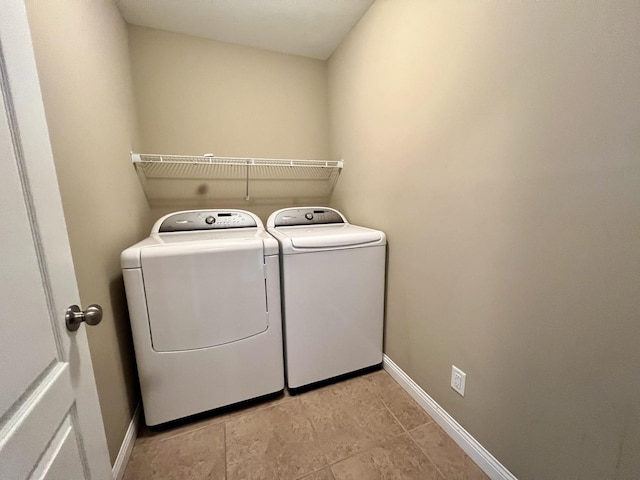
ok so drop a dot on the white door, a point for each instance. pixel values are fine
(50, 423)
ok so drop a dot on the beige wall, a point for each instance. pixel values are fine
(497, 144)
(197, 96)
(83, 63)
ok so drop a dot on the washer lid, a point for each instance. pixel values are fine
(322, 237)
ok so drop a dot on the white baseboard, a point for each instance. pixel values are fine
(487, 462)
(122, 459)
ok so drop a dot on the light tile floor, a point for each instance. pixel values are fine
(364, 428)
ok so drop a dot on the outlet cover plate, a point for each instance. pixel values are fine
(458, 379)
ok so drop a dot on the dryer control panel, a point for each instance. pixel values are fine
(307, 216)
(206, 220)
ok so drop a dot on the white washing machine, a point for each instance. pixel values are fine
(333, 277)
(204, 301)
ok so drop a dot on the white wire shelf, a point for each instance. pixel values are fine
(181, 181)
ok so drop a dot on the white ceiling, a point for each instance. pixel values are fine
(311, 28)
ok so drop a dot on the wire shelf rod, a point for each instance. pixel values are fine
(165, 177)
(240, 161)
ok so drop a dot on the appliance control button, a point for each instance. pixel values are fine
(308, 216)
(210, 220)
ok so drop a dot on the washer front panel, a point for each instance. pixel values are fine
(333, 312)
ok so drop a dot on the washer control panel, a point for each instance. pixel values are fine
(307, 216)
(207, 220)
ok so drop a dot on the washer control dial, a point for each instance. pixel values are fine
(308, 216)
(210, 220)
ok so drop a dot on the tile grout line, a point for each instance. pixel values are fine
(331, 473)
(214, 419)
(405, 431)
(331, 464)
(384, 404)
(315, 436)
(224, 431)
(374, 390)
(424, 451)
(394, 415)
(250, 411)
(408, 432)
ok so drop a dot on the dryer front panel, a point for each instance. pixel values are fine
(201, 295)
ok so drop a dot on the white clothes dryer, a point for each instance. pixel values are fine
(333, 277)
(204, 301)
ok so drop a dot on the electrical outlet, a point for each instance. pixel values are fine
(458, 379)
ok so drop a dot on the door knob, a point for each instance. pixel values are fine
(74, 316)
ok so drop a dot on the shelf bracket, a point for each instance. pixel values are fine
(246, 192)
